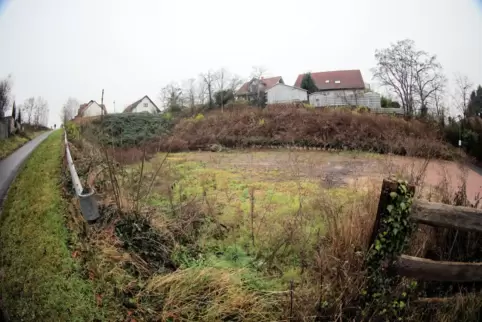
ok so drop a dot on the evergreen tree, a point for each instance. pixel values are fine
(308, 83)
(475, 103)
(14, 111)
(19, 117)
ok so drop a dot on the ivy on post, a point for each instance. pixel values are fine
(390, 237)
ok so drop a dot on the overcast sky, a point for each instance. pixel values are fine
(62, 48)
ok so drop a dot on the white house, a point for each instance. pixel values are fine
(282, 93)
(91, 108)
(144, 104)
(337, 83)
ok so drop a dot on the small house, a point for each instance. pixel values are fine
(91, 108)
(250, 90)
(282, 93)
(145, 104)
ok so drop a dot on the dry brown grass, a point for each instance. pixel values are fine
(324, 128)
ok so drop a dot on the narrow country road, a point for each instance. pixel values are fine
(11, 164)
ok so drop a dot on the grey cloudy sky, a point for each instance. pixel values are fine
(62, 48)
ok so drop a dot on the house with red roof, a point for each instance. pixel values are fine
(340, 88)
(249, 90)
(91, 108)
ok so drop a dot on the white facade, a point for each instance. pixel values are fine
(145, 105)
(93, 109)
(282, 93)
(344, 98)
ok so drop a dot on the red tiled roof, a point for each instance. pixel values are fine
(129, 108)
(268, 82)
(349, 79)
(83, 107)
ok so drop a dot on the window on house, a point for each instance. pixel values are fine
(337, 82)
(145, 105)
(327, 81)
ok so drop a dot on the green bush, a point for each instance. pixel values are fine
(126, 130)
(73, 130)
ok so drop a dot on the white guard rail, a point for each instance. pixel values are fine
(88, 204)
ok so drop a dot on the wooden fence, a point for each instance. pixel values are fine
(436, 215)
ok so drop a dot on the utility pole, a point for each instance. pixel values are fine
(102, 98)
(114, 107)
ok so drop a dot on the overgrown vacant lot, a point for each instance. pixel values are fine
(260, 235)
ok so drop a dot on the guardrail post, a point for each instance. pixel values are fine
(88, 204)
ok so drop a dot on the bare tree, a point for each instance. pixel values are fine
(407, 73)
(463, 87)
(257, 73)
(201, 91)
(5, 89)
(36, 111)
(235, 82)
(171, 96)
(209, 80)
(428, 80)
(41, 111)
(29, 110)
(190, 93)
(69, 110)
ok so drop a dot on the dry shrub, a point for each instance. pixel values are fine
(209, 294)
(338, 264)
(324, 128)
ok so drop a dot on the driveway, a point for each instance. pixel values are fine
(11, 164)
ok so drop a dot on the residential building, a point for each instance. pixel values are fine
(91, 108)
(282, 93)
(340, 88)
(250, 90)
(145, 104)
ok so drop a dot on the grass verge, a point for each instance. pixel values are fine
(8, 146)
(40, 281)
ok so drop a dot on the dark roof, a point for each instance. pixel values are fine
(268, 83)
(348, 79)
(129, 108)
(83, 107)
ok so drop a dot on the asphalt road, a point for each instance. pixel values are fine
(11, 164)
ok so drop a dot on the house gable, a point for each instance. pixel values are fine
(143, 105)
(91, 109)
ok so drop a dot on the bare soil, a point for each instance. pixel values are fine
(338, 169)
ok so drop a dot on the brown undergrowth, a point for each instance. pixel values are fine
(322, 128)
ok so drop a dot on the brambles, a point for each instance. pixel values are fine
(319, 128)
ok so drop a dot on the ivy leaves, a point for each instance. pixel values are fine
(392, 239)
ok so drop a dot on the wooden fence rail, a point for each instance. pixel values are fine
(437, 215)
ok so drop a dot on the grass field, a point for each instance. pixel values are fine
(40, 281)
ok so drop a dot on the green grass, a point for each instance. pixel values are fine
(8, 146)
(40, 281)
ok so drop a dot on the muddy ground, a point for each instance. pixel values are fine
(337, 169)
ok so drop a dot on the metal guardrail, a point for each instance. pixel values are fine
(88, 204)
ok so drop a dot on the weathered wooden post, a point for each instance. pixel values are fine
(388, 186)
